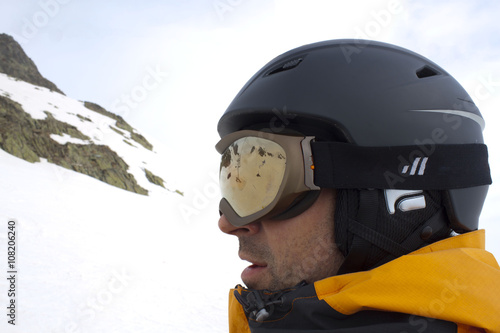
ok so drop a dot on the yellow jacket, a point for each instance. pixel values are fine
(454, 280)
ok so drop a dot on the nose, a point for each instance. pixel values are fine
(246, 230)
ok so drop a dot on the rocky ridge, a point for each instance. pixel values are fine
(15, 63)
(53, 131)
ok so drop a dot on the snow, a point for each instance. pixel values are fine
(95, 258)
(65, 138)
(99, 128)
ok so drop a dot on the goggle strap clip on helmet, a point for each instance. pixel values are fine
(308, 163)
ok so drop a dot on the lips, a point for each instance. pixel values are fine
(254, 262)
(253, 272)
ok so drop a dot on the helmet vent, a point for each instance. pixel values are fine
(426, 71)
(286, 66)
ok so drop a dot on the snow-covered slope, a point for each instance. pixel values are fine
(101, 129)
(95, 258)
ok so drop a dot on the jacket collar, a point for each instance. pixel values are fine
(454, 280)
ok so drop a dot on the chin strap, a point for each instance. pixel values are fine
(366, 217)
(365, 235)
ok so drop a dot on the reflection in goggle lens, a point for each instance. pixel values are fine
(251, 173)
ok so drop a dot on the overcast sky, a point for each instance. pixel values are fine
(170, 68)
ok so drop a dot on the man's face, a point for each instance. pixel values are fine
(282, 253)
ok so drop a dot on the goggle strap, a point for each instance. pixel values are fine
(437, 167)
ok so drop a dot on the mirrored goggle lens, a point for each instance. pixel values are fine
(251, 173)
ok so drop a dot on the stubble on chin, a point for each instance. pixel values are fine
(261, 254)
(276, 276)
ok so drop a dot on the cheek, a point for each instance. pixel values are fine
(283, 241)
(309, 249)
(292, 252)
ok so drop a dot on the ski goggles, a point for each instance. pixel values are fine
(262, 174)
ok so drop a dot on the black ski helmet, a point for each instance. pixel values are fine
(380, 98)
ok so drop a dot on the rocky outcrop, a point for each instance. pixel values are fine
(120, 123)
(29, 139)
(34, 139)
(153, 178)
(15, 63)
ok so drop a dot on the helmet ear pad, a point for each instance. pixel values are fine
(395, 227)
(299, 205)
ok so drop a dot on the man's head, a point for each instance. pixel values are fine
(394, 134)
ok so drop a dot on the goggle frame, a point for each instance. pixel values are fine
(298, 177)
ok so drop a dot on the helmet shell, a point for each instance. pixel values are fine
(366, 93)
